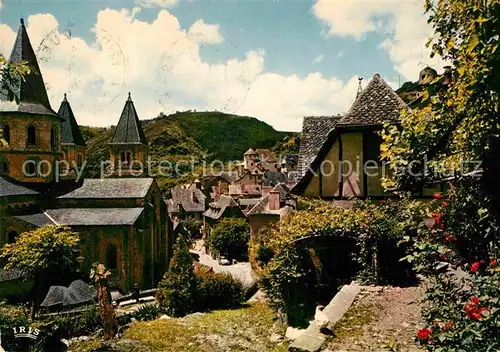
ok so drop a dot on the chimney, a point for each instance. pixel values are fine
(447, 75)
(274, 200)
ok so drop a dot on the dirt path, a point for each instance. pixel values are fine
(382, 319)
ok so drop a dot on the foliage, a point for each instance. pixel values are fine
(260, 250)
(365, 235)
(177, 292)
(72, 325)
(227, 137)
(99, 274)
(288, 145)
(44, 255)
(230, 237)
(193, 226)
(147, 312)
(219, 290)
(458, 126)
(463, 305)
(11, 74)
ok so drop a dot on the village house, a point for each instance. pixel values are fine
(122, 222)
(339, 156)
(271, 208)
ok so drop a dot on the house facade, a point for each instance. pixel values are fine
(340, 155)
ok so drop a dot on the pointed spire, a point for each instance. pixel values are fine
(70, 131)
(360, 88)
(129, 130)
(30, 91)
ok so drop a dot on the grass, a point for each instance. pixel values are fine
(353, 321)
(244, 329)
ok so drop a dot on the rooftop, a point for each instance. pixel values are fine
(129, 130)
(85, 217)
(111, 188)
(8, 189)
(70, 132)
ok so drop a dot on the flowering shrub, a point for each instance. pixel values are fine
(456, 254)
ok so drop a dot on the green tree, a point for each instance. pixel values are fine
(458, 123)
(43, 255)
(177, 291)
(230, 238)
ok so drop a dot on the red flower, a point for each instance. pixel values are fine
(382, 201)
(443, 257)
(448, 325)
(493, 262)
(475, 266)
(424, 334)
(438, 195)
(475, 300)
(450, 238)
(445, 204)
(436, 215)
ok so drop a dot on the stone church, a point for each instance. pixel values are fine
(122, 221)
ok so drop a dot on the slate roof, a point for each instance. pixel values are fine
(216, 209)
(70, 131)
(250, 152)
(8, 189)
(111, 188)
(314, 133)
(129, 130)
(272, 178)
(376, 104)
(30, 91)
(86, 216)
(262, 206)
(191, 199)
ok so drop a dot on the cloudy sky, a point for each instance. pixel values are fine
(275, 60)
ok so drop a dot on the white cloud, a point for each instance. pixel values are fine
(403, 22)
(156, 3)
(159, 63)
(204, 33)
(318, 59)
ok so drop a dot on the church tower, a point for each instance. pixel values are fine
(72, 142)
(31, 130)
(128, 146)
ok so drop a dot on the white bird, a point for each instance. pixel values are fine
(320, 317)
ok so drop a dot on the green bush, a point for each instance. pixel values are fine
(361, 242)
(177, 291)
(219, 290)
(147, 312)
(230, 238)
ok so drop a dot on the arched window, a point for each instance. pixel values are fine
(6, 133)
(4, 166)
(111, 260)
(53, 138)
(11, 237)
(31, 135)
(128, 157)
(30, 167)
(122, 157)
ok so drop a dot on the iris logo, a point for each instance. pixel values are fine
(27, 332)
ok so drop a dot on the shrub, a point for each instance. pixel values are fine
(361, 242)
(230, 238)
(147, 312)
(178, 290)
(219, 290)
(193, 227)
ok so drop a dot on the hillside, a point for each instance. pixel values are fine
(186, 136)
